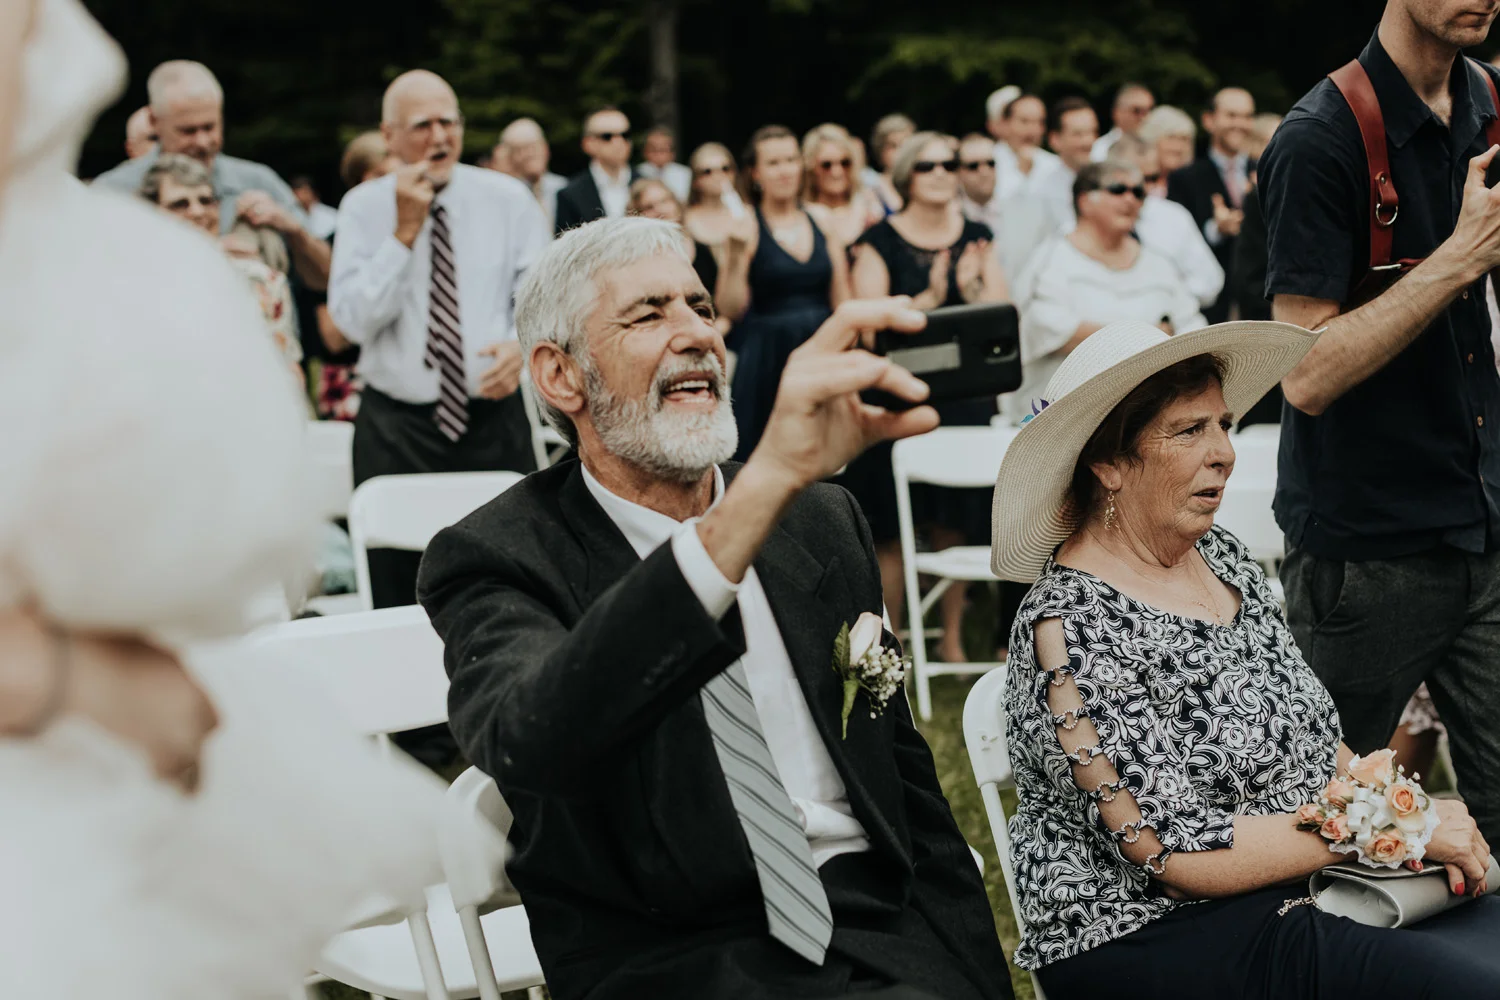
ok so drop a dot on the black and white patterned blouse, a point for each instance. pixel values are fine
(1204, 722)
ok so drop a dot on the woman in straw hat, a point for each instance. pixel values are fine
(1164, 729)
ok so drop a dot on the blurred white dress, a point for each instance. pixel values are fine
(151, 480)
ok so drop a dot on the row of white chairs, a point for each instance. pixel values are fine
(383, 672)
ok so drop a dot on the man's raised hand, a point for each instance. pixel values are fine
(819, 423)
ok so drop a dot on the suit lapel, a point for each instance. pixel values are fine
(607, 554)
(806, 599)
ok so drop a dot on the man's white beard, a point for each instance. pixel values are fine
(657, 439)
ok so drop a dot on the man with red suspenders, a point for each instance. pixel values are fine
(1381, 230)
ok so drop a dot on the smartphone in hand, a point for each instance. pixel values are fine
(964, 352)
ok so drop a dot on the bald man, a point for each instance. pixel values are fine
(424, 267)
(523, 153)
(140, 134)
(186, 110)
(1213, 187)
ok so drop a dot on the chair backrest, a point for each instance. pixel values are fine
(404, 512)
(383, 670)
(952, 456)
(330, 456)
(1255, 452)
(1246, 513)
(472, 827)
(984, 736)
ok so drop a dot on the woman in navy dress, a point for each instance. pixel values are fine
(781, 277)
(929, 251)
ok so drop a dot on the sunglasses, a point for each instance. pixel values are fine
(1139, 190)
(610, 136)
(846, 163)
(928, 166)
(722, 168)
(972, 165)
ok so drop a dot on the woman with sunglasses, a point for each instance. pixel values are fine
(1096, 275)
(832, 190)
(929, 251)
(781, 277)
(713, 204)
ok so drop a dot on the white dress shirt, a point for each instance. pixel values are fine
(678, 177)
(989, 213)
(377, 291)
(1063, 288)
(614, 194)
(1103, 144)
(1169, 229)
(550, 185)
(807, 771)
(1009, 180)
(1236, 173)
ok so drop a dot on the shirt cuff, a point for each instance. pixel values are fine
(1211, 233)
(713, 590)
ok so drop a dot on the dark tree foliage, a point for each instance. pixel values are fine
(303, 76)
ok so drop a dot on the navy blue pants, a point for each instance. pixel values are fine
(1241, 949)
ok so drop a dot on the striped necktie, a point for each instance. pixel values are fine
(797, 909)
(445, 339)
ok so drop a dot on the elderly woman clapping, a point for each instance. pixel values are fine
(1164, 729)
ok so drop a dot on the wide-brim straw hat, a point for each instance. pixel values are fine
(1032, 513)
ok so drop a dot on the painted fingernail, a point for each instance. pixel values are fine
(1417, 865)
(1458, 890)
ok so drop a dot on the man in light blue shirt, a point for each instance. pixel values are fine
(187, 108)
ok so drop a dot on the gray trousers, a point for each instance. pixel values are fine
(1374, 631)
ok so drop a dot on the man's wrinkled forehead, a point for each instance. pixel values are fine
(656, 280)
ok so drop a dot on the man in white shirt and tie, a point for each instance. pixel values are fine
(602, 190)
(639, 642)
(424, 270)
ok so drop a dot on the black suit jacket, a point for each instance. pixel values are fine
(1193, 187)
(575, 671)
(579, 202)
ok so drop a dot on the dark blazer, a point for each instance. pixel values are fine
(575, 671)
(1193, 187)
(579, 202)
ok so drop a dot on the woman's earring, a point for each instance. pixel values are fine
(1109, 512)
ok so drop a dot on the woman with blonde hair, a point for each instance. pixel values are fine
(831, 186)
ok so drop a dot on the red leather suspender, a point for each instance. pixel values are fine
(1354, 83)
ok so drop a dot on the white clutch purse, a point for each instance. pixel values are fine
(1387, 897)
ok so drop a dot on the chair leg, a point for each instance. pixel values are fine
(479, 953)
(537, 993)
(427, 957)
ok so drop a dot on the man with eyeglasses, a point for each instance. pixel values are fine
(425, 264)
(602, 190)
(1133, 102)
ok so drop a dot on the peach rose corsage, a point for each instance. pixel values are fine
(1374, 811)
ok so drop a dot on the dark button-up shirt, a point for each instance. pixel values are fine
(1408, 460)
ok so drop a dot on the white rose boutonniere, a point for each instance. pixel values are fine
(863, 663)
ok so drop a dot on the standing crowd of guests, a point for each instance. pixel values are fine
(1078, 229)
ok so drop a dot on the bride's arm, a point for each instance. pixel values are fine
(135, 690)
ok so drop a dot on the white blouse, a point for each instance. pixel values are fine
(1062, 287)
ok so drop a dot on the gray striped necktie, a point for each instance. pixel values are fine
(796, 903)
(445, 339)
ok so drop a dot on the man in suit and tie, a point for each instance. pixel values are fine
(1213, 188)
(641, 644)
(601, 190)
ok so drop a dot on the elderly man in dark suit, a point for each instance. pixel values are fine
(602, 189)
(641, 644)
(1214, 187)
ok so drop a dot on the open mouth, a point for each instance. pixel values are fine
(438, 156)
(1213, 494)
(691, 387)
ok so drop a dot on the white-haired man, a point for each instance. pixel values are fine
(523, 153)
(186, 108)
(140, 133)
(640, 643)
(424, 268)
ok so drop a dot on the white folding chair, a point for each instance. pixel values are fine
(383, 672)
(404, 512)
(494, 925)
(948, 456)
(984, 736)
(1246, 509)
(330, 456)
